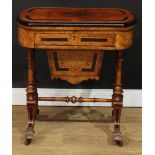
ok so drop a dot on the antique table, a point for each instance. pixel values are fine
(75, 40)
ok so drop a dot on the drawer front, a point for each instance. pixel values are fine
(96, 39)
(53, 39)
(75, 39)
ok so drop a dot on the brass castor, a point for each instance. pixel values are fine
(119, 143)
(29, 135)
(27, 141)
(117, 137)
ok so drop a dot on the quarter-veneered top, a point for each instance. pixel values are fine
(51, 16)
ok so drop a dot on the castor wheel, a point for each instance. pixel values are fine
(119, 143)
(117, 137)
(29, 135)
(27, 141)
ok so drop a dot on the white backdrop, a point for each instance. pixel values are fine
(132, 97)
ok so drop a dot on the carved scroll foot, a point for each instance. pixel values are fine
(29, 135)
(117, 137)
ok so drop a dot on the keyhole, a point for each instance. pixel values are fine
(73, 37)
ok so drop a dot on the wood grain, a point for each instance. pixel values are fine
(111, 23)
(117, 38)
(75, 66)
(48, 16)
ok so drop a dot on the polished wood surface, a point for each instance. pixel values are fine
(103, 38)
(75, 66)
(74, 99)
(48, 16)
(75, 40)
(78, 131)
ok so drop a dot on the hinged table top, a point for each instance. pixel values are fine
(51, 16)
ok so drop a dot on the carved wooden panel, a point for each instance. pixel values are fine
(75, 66)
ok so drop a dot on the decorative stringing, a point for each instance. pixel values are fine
(93, 39)
(54, 39)
(69, 65)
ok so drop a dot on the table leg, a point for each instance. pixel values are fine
(35, 79)
(117, 97)
(32, 97)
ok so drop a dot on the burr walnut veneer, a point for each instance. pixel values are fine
(75, 40)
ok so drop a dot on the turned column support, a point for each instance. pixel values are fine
(32, 97)
(117, 90)
(117, 99)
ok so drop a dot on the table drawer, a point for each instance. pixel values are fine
(74, 39)
(53, 39)
(96, 39)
